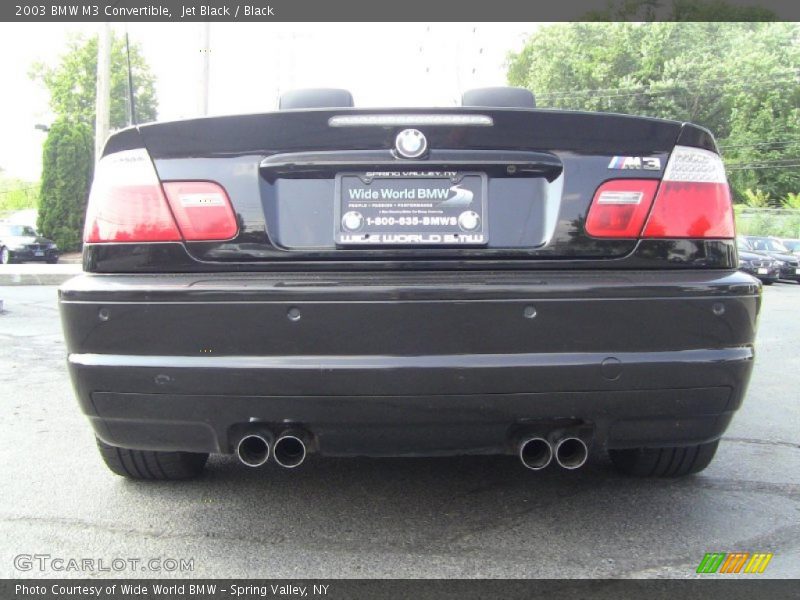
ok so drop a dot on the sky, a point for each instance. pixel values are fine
(382, 64)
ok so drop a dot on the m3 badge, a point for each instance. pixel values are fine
(647, 163)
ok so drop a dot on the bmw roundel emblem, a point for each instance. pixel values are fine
(410, 143)
(352, 220)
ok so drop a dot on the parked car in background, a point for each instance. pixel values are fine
(792, 245)
(788, 263)
(757, 264)
(21, 243)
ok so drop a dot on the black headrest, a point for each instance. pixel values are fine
(499, 97)
(316, 98)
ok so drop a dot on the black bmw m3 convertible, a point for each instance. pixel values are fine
(484, 279)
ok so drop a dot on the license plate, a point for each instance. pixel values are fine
(763, 271)
(410, 208)
(38, 253)
(797, 271)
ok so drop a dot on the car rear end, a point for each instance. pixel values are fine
(541, 283)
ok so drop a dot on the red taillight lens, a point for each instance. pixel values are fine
(202, 210)
(128, 204)
(694, 200)
(691, 210)
(620, 207)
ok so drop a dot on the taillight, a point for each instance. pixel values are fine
(202, 210)
(127, 204)
(620, 207)
(694, 200)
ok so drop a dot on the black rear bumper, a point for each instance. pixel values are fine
(410, 363)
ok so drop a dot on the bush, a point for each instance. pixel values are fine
(757, 198)
(17, 195)
(67, 168)
(791, 201)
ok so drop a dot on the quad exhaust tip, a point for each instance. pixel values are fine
(571, 453)
(253, 450)
(290, 450)
(535, 453)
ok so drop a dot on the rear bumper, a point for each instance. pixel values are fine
(412, 363)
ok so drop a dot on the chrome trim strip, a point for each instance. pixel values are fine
(438, 361)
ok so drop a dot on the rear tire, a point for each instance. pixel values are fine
(5, 256)
(664, 462)
(152, 465)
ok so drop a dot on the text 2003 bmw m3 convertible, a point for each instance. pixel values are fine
(484, 279)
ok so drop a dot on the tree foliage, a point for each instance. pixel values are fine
(16, 194)
(73, 82)
(792, 201)
(68, 160)
(68, 165)
(740, 80)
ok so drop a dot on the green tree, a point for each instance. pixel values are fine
(68, 165)
(16, 194)
(73, 82)
(740, 80)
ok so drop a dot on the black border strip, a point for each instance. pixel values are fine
(731, 588)
(402, 10)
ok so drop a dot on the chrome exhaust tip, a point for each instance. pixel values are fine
(290, 450)
(253, 450)
(535, 453)
(571, 453)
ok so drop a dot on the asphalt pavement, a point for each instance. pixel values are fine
(444, 517)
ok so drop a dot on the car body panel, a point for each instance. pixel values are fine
(282, 187)
(466, 359)
(411, 350)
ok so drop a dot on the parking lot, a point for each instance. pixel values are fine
(456, 517)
